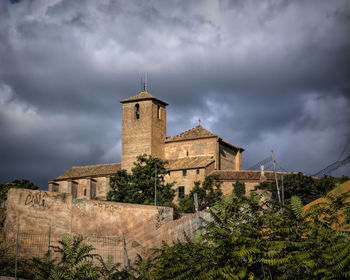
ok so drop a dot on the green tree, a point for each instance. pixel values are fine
(230, 247)
(306, 187)
(312, 243)
(122, 188)
(207, 194)
(139, 186)
(7, 251)
(239, 188)
(253, 238)
(4, 187)
(75, 262)
(111, 271)
(143, 268)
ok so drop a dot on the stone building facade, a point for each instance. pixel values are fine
(191, 155)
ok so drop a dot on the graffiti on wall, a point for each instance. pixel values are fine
(189, 227)
(37, 199)
(96, 206)
(163, 216)
(79, 202)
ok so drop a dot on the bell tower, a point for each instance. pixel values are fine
(143, 128)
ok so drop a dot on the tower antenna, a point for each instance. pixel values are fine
(145, 83)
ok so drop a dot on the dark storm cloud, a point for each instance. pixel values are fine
(262, 74)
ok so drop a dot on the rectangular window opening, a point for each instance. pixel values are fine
(158, 112)
(55, 188)
(137, 111)
(184, 172)
(197, 171)
(181, 192)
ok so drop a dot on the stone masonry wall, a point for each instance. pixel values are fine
(186, 181)
(197, 147)
(226, 186)
(144, 135)
(227, 158)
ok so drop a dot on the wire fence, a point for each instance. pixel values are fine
(22, 245)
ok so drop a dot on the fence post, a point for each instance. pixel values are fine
(126, 259)
(48, 245)
(16, 261)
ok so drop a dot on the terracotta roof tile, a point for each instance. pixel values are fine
(193, 133)
(144, 95)
(189, 162)
(198, 132)
(246, 174)
(90, 171)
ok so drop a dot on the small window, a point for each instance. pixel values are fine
(181, 192)
(197, 171)
(186, 153)
(158, 112)
(74, 190)
(137, 111)
(85, 192)
(55, 188)
(184, 172)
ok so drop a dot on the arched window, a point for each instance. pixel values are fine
(137, 111)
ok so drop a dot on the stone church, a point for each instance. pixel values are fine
(191, 155)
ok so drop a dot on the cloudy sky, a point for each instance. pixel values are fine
(262, 74)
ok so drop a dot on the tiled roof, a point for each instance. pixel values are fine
(193, 133)
(198, 132)
(246, 174)
(144, 95)
(90, 171)
(189, 162)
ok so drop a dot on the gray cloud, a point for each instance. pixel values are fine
(262, 74)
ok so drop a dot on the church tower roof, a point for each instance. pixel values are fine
(143, 95)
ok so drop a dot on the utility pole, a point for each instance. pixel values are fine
(274, 170)
(155, 182)
(282, 190)
(196, 207)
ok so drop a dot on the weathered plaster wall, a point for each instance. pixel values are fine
(34, 211)
(144, 227)
(153, 236)
(104, 218)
